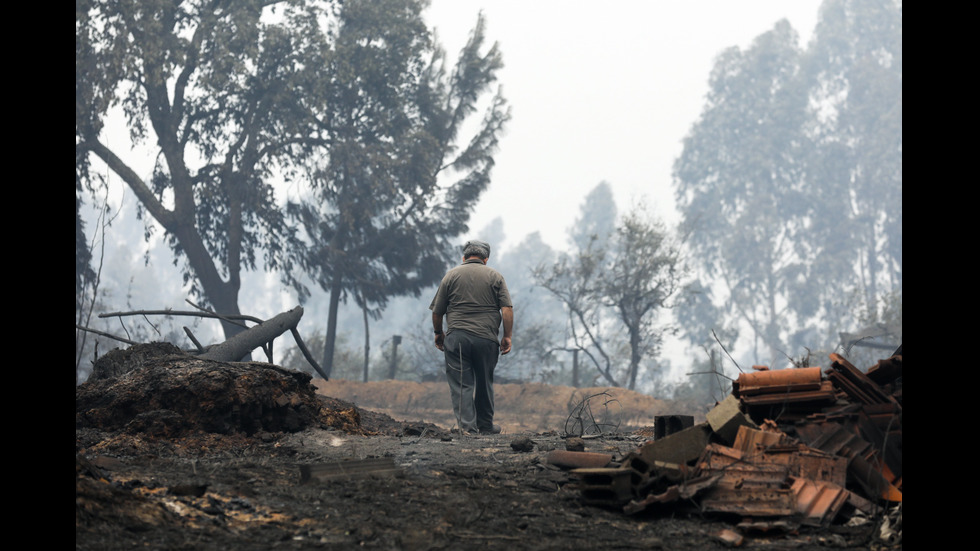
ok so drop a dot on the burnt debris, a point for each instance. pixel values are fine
(799, 446)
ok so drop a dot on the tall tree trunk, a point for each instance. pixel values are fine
(367, 342)
(772, 327)
(222, 294)
(575, 381)
(330, 339)
(634, 356)
(872, 291)
(393, 363)
(224, 300)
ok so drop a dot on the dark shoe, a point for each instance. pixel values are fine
(495, 429)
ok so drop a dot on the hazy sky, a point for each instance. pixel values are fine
(596, 93)
(600, 91)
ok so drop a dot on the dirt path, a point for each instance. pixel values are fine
(180, 453)
(527, 407)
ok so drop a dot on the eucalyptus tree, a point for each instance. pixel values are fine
(218, 95)
(790, 182)
(597, 218)
(853, 69)
(398, 179)
(739, 185)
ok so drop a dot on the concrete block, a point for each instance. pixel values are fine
(682, 447)
(665, 425)
(726, 418)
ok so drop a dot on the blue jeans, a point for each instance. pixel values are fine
(470, 361)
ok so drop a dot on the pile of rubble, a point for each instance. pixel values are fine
(798, 446)
(157, 390)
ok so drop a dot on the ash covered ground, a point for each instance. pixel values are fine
(182, 453)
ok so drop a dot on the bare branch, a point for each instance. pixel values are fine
(228, 318)
(581, 416)
(726, 350)
(183, 313)
(710, 373)
(104, 334)
(307, 355)
(193, 339)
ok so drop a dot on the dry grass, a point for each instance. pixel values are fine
(528, 407)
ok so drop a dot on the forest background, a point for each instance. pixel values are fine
(785, 228)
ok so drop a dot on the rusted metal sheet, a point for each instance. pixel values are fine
(821, 392)
(863, 467)
(867, 507)
(886, 371)
(829, 439)
(737, 470)
(749, 440)
(777, 381)
(753, 501)
(886, 440)
(759, 475)
(809, 463)
(718, 456)
(884, 416)
(856, 384)
(819, 466)
(827, 432)
(688, 489)
(868, 474)
(818, 502)
(758, 446)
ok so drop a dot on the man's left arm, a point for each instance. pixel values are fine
(507, 312)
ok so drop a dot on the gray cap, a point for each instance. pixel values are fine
(475, 247)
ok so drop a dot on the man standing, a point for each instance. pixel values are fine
(475, 300)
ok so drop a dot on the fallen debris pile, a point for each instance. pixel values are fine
(800, 446)
(157, 390)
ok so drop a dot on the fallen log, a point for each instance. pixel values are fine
(242, 344)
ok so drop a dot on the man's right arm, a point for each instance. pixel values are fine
(507, 312)
(437, 328)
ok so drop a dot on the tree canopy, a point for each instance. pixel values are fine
(738, 181)
(789, 183)
(614, 287)
(395, 185)
(350, 102)
(219, 92)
